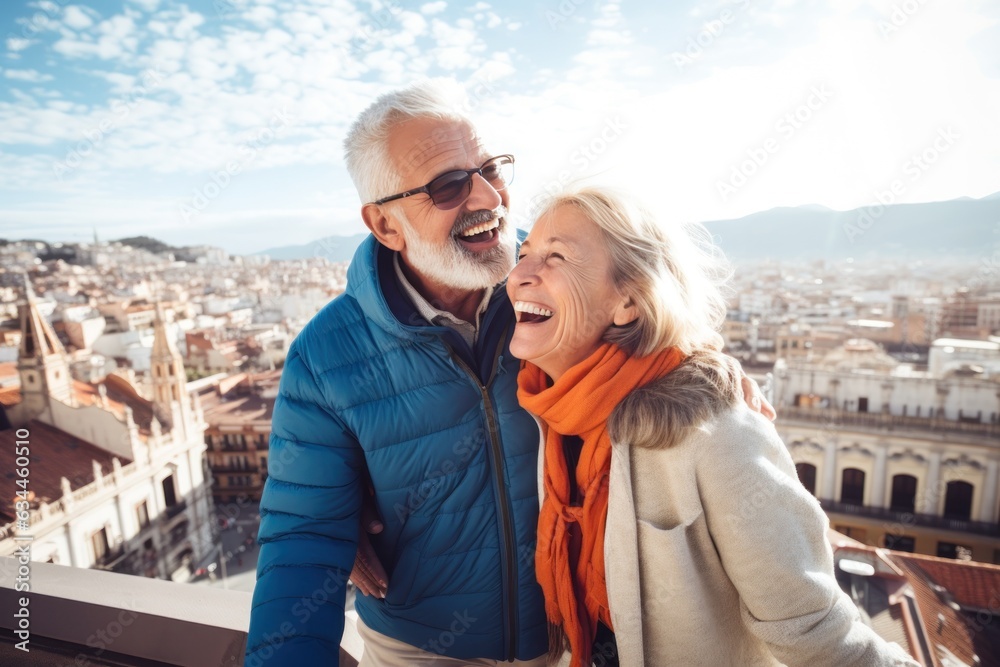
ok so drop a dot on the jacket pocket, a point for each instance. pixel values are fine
(682, 620)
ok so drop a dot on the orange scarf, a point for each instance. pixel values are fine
(579, 404)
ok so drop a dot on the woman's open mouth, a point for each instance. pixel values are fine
(531, 313)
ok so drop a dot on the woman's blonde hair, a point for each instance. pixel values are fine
(673, 274)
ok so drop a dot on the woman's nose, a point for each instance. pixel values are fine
(523, 273)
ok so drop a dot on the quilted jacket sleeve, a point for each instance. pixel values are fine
(771, 536)
(309, 525)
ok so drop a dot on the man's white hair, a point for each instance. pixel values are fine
(366, 151)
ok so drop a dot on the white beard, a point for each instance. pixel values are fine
(453, 266)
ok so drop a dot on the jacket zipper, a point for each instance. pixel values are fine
(510, 556)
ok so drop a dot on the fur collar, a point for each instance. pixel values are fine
(660, 414)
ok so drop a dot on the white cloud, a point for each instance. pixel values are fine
(217, 88)
(262, 17)
(19, 43)
(433, 7)
(188, 24)
(77, 18)
(413, 24)
(30, 75)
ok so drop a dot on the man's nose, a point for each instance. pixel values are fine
(483, 196)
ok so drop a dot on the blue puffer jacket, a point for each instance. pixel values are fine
(452, 457)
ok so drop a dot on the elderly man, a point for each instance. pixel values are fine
(404, 385)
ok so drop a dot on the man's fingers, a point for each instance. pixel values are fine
(751, 393)
(371, 577)
(365, 581)
(370, 519)
(754, 398)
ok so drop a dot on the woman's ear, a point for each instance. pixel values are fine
(385, 228)
(626, 312)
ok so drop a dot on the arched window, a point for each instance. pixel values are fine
(807, 475)
(904, 493)
(852, 487)
(958, 500)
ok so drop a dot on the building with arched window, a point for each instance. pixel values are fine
(898, 458)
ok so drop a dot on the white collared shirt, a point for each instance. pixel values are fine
(467, 330)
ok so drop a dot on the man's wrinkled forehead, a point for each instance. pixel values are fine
(427, 144)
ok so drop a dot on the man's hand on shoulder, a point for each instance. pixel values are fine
(754, 398)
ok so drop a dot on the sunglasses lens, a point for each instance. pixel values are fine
(449, 190)
(499, 172)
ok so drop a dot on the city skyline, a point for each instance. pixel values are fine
(127, 115)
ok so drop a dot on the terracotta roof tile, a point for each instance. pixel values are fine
(10, 396)
(972, 584)
(944, 625)
(119, 394)
(54, 454)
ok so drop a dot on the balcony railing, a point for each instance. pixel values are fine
(174, 510)
(913, 519)
(111, 558)
(884, 422)
(89, 617)
(224, 469)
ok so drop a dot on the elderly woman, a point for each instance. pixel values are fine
(672, 523)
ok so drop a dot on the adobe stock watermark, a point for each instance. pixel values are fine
(463, 451)
(787, 126)
(710, 31)
(39, 21)
(900, 15)
(562, 13)
(912, 170)
(94, 137)
(217, 183)
(581, 159)
(463, 621)
(332, 588)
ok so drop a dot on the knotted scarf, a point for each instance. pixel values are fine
(569, 557)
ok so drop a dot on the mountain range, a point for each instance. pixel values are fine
(962, 227)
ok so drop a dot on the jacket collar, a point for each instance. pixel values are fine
(372, 282)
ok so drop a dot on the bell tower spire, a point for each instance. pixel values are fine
(169, 377)
(41, 359)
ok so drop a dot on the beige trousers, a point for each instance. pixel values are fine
(382, 651)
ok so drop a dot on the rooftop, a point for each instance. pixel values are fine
(119, 394)
(54, 455)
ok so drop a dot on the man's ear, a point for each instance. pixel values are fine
(386, 229)
(626, 312)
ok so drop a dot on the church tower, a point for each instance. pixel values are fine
(41, 362)
(170, 398)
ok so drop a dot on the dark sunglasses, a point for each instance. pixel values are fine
(451, 189)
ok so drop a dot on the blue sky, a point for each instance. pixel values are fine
(126, 115)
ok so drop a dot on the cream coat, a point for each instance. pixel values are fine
(717, 555)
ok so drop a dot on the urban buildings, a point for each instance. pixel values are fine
(112, 480)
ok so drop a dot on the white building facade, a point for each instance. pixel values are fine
(899, 459)
(147, 508)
